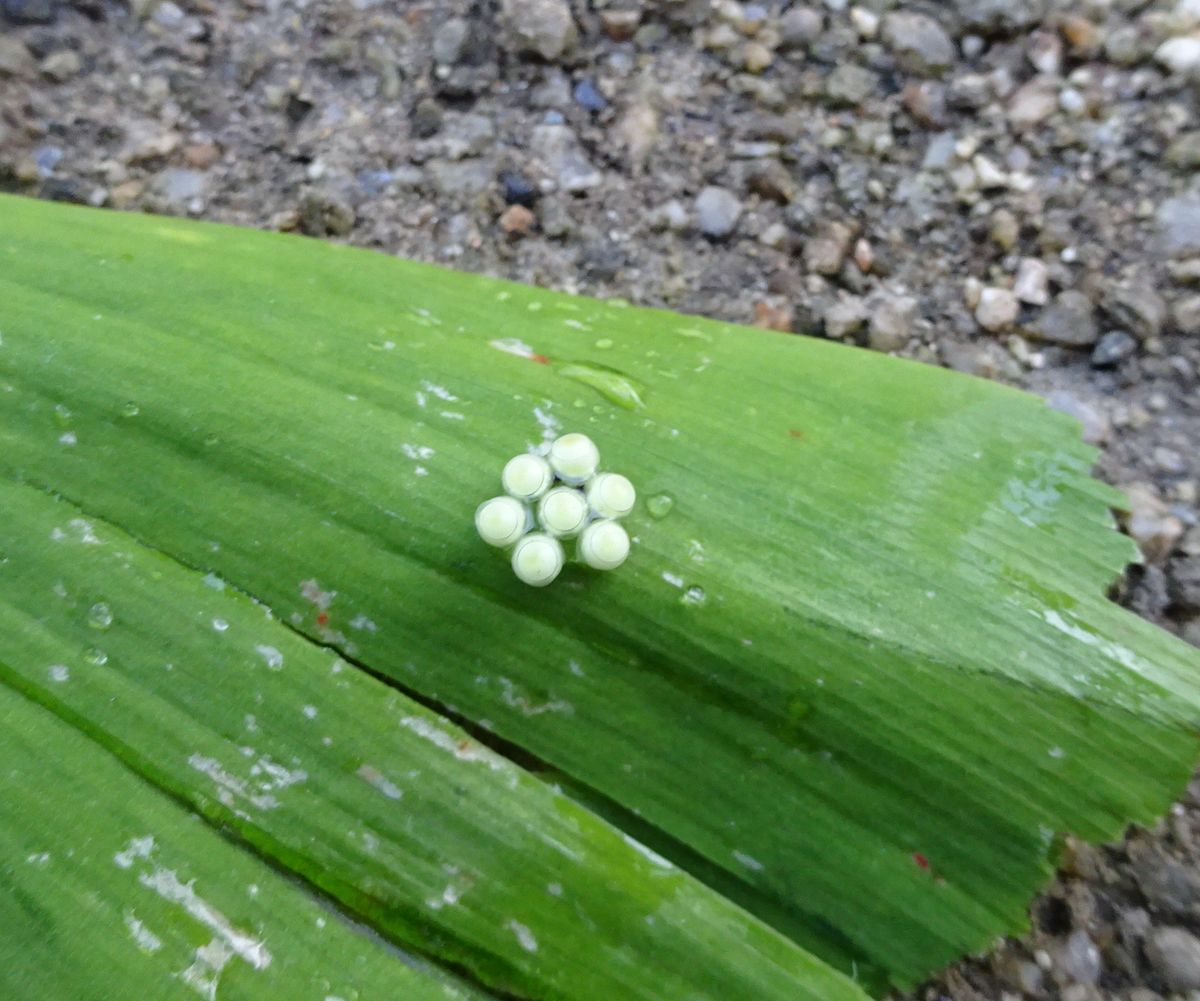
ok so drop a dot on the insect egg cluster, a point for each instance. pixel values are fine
(556, 497)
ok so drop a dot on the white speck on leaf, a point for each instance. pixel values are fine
(310, 712)
(374, 777)
(136, 849)
(273, 657)
(68, 438)
(363, 623)
(60, 673)
(524, 936)
(213, 581)
(441, 392)
(673, 579)
(146, 940)
(749, 861)
(648, 853)
(512, 346)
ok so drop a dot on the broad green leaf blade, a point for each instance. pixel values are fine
(110, 890)
(433, 839)
(858, 676)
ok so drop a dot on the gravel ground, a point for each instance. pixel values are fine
(1007, 187)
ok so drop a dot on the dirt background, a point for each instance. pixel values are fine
(1006, 187)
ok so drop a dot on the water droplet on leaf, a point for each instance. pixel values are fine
(130, 409)
(614, 386)
(694, 596)
(604, 343)
(96, 656)
(100, 616)
(660, 505)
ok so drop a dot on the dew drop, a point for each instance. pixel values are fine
(694, 596)
(614, 386)
(211, 439)
(62, 415)
(96, 656)
(130, 409)
(604, 343)
(220, 625)
(660, 505)
(100, 616)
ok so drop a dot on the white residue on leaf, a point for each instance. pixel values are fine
(417, 451)
(273, 657)
(80, 529)
(1121, 654)
(464, 749)
(213, 581)
(146, 940)
(266, 778)
(422, 399)
(525, 937)
(38, 858)
(513, 346)
(361, 622)
(167, 885)
(137, 848)
(441, 392)
(374, 777)
(453, 415)
(513, 697)
(310, 590)
(420, 471)
(60, 673)
(673, 579)
(68, 438)
(450, 896)
(749, 861)
(310, 712)
(551, 425)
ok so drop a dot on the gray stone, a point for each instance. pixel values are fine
(850, 84)
(1033, 103)
(179, 185)
(1068, 320)
(1096, 426)
(717, 212)
(1180, 55)
(845, 317)
(800, 27)
(28, 11)
(1179, 224)
(1079, 959)
(450, 41)
(559, 152)
(461, 179)
(1183, 585)
(999, 16)
(1137, 307)
(1175, 953)
(918, 43)
(1032, 281)
(1113, 348)
(1186, 314)
(997, 310)
(890, 323)
(1151, 525)
(540, 27)
(15, 57)
(1184, 151)
(825, 251)
(62, 65)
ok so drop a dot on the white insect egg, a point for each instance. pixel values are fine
(611, 495)
(563, 511)
(538, 559)
(527, 477)
(574, 457)
(501, 521)
(604, 545)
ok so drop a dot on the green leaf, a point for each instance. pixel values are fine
(857, 674)
(103, 874)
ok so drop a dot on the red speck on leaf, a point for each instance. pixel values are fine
(795, 433)
(464, 746)
(540, 359)
(322, 618)
(921, 860)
